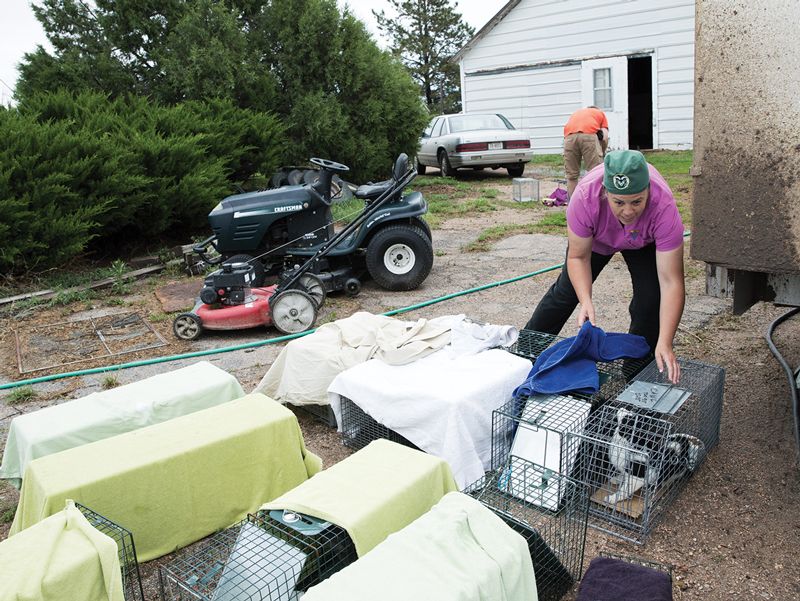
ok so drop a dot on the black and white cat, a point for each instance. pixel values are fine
(641, 455)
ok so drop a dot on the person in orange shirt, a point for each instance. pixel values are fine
(585, 137)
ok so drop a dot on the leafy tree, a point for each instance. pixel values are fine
(338, 94)
(426, 34)
(82, 172)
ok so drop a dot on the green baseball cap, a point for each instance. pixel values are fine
(626, 172)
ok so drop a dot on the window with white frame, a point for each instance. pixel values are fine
(602, 88)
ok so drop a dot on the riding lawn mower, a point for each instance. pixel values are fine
(287, 236)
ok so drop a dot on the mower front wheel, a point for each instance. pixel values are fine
(399, 257)
(187, 326)
(293, 311)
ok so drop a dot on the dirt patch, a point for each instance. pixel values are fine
(731, 533)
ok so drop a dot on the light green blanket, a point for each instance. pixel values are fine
(458, 551)
(374, 492)
(60, 558)
(174, 483)
(111, 412)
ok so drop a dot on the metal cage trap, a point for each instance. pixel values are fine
(635, 460)
(556, 538)
(359, 428)
(273, 556)
(131, 578)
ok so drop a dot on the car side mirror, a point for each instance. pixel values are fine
(425, 135)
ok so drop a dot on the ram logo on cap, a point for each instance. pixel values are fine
(621, 181)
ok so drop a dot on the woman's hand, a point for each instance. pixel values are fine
(586, 311)
(665, 359)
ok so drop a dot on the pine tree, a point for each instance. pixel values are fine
(426, 34)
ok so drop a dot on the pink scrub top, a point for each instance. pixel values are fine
(589, 216)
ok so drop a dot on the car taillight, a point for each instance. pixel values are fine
(472, 147)
(518, 144)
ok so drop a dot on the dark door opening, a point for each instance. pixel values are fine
(640, 103)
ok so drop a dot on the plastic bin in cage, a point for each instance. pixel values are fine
(274, 556)
(529, 444)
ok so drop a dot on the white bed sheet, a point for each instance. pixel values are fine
(442, 404)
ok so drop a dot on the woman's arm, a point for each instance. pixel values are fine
(670, 277)
(579, 268)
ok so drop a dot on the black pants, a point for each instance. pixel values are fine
(560, 301)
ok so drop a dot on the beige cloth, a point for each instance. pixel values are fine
(581, 146)
(304, 369)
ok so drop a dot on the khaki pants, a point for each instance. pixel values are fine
(581, 146)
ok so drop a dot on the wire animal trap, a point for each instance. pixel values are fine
(636, 460)
(131, 578)
(359, 428)
(321, 413)
(274, 556)
(556, 539)
(65, 343)
(530, 443)
(614, 375)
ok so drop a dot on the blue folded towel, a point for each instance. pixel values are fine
(571, 365)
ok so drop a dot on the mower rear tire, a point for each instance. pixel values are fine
(258, 270)
(187, 326)
(293, 311)
(314, 287)
(399, 257)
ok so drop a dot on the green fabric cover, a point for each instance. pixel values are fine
(458, 551)
(174, 483)
(626, 172)
(61, 558)
(111, 412)
(374, 492)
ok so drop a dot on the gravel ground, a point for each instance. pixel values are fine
(732, 532)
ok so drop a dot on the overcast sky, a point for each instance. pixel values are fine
(20, 32)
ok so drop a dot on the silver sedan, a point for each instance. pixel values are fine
(475, 141)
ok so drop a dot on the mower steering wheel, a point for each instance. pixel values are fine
(330, 165)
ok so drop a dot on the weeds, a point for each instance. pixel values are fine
(109, 382)
(21, 395)
(118, 271)
(7, 514)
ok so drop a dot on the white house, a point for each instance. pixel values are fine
(536, 61)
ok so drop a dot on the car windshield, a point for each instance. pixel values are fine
(473, 122)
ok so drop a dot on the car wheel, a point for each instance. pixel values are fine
(421, 169)
(258, 267)
(399, 257)
(516, 170)
(444, 165)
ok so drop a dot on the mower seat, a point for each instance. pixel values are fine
(373, 190)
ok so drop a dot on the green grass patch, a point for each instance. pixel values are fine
(110, 382)
(554, 161)
(7, 514)
(21, 395)
(551, 223)
(345, 212)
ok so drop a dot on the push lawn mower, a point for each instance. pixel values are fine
(289, 233)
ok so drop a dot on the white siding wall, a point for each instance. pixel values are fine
(537, 31)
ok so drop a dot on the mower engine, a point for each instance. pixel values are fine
(229, 285)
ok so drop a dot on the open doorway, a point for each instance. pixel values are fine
(640, 102)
